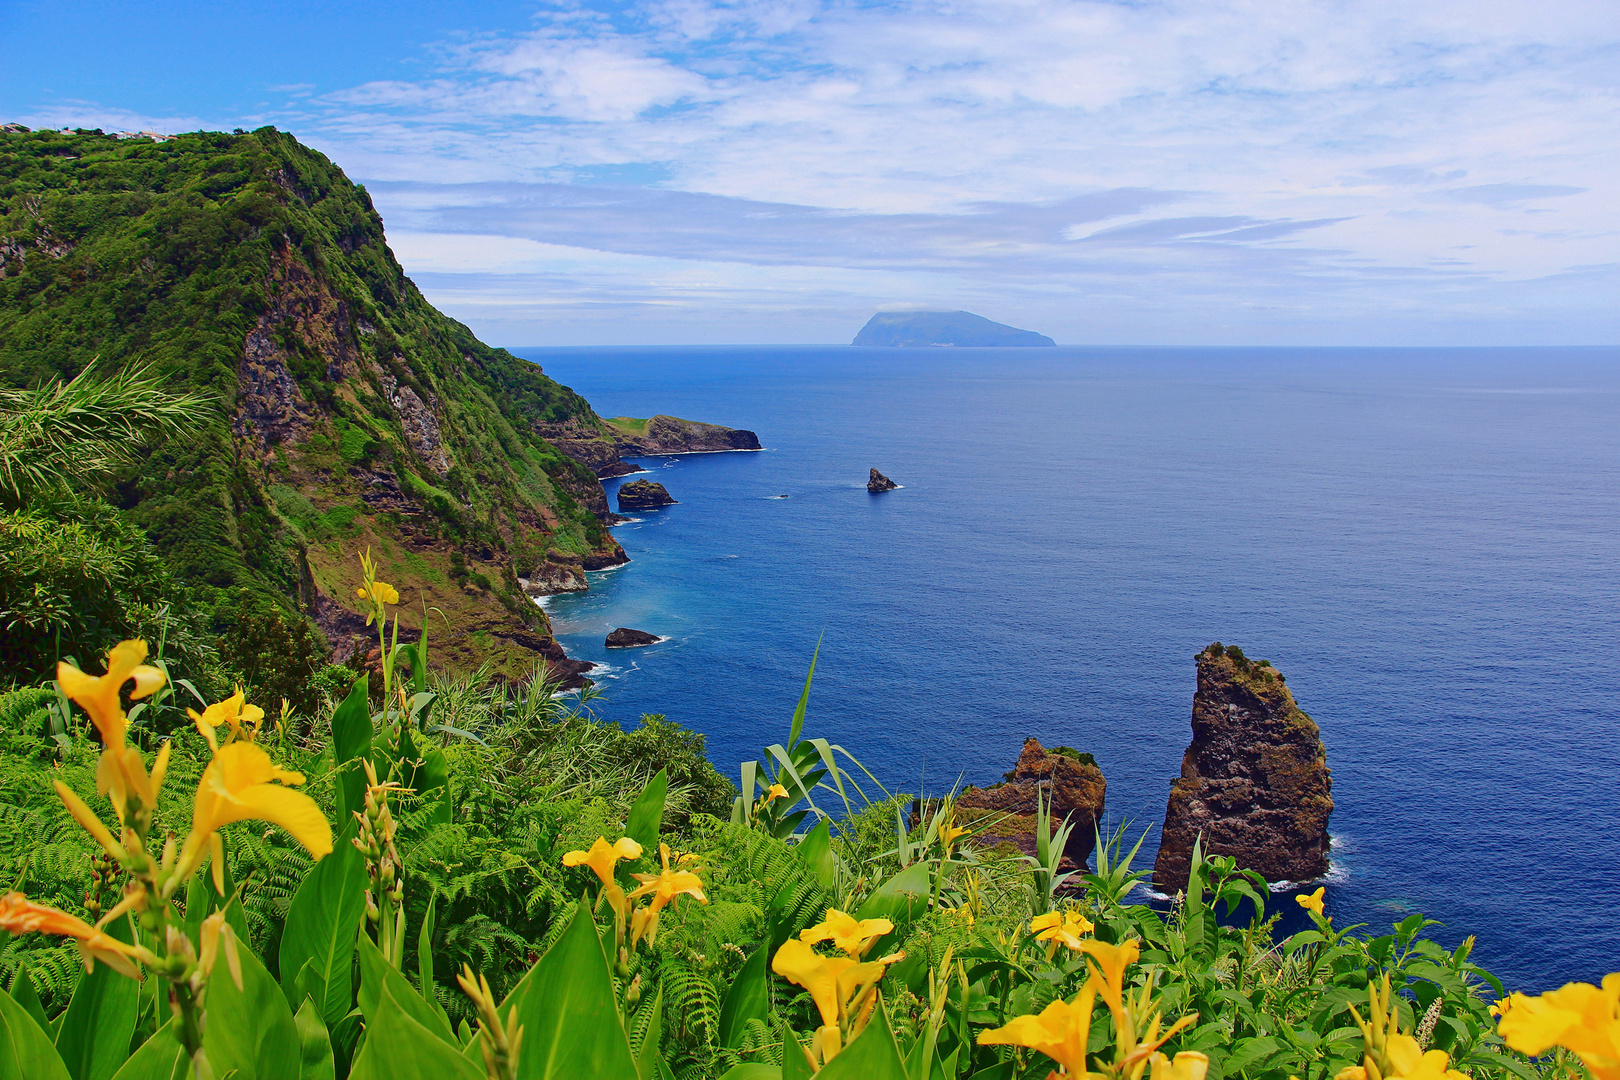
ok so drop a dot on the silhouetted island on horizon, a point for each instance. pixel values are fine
(959, 328)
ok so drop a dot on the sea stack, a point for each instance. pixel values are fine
(877, 482)
(626, 638)
(643, 495)
(1255, 780)
(1068, 778)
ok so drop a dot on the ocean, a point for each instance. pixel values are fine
(1426, 542)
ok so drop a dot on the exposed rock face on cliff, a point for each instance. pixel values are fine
(1254, 781)
(877, 482)
(1071, 780)
(626, 638)
(643, 495)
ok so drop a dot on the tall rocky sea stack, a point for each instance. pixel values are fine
(1255, 780)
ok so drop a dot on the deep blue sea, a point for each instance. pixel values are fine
(1426, 542)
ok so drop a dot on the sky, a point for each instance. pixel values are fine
(1224, 172)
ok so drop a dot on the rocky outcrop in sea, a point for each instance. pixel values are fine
(1071, 781)
(626, 638)
(877, 482)
(643, 495)
(1254, 782)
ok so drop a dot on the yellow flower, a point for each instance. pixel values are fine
(1578, 1016)
(798, 963)
(848, 935)
(840, 987)
(667, 884)
(950, 833)
(1313, 902)
(963, 912)
(1061, 1031)
(20, 915)
(234, 710)
(1409, 1062)
(1110, 962)
(239, 785)
(1066, 928)
(775, 791)
(122, 771)
(602, 856)
(1188, 1065)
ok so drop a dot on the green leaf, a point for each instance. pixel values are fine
(100, 1019)
(804, 699)
(752, 1070)
(570, 1017)
(26, 1052)
(320, 930)
(816, 852)
(647, 1057)
(424, 950)
(378, 975)
(902, 900)
(314, 1044)
(871, 1055)
(795, 1066)
(24, 994)
(249, 1029)
(159, 1058)
(647, 813)
(747, 999)
(351, 740)
(399, 1047)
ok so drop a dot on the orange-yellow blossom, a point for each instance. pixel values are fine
(602, 856)
(848, 934)
(234, 710)
(775, 791)
(241, 784)
(122, 770)
(20, 915)
(1188, 1065)
(1580, 1017)
(1067, 928)
(1312, 902)
(1109, 964)
(1061, 1031)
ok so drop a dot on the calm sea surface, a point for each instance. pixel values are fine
(1426, 542)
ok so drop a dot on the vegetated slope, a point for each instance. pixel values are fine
(350, 411)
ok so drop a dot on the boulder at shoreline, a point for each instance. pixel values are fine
(626, 638)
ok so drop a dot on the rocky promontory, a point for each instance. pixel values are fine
(663, 435)
(877, 482)
(1071, 781)
(643, 495)
(1254, 782)
(626, 638)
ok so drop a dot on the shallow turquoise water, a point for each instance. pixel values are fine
(1426, 542)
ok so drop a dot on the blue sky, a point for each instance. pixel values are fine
(1218, 172)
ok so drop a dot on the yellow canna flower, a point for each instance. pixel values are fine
(20, 915)
(1066, 928)
(241, 784)
(775, 791)
(798, 963)
(602, 856)
(88, 821)
(1060, 1031)
(234, 710)
(962, 912)
(122, 770)
(1409, 1062)
(1349, 1072)
(1313, 902)
(848, 935)
(1188, 1065)
(1110, 962)
(1580, 1017)
(667, 884)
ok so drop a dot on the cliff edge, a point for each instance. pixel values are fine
(1254, 781)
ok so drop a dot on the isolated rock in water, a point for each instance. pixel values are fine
(626, 638)
(878, 482)
(1069, 778)
(961, 328)
(1255, 780)
(643, 495)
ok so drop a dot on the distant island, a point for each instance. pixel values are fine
(943, 328)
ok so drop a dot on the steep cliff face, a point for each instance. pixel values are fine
(350, 413)
(1254, 781)
(1070, 780)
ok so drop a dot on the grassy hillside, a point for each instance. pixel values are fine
(347, 411)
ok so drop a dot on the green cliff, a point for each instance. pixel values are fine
(344, 410)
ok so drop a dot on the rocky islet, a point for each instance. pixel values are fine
(876, 482)
(643, 495)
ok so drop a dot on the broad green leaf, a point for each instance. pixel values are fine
(399, 1047)
(378, 975)
(816, 852)
(804, 699)
(24, 994)
(747, 999)
(795, 1066)
(752, 1070)
(314, 1044)
(902, 900)
(647, 813)
(321, 927)
(647, 1056)
(100, 1019)
(871, 1055)
(249, 1029)
(26, 1052)
(424, 950)
(159, 1058)
(351, 740)
(570, 1018)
